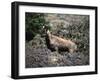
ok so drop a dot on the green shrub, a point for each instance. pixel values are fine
(34, 24)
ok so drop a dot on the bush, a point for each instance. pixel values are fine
(34, 24)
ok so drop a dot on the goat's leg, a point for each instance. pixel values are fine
(56, 48)
(71, 50)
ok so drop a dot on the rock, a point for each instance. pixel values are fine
(74, 27)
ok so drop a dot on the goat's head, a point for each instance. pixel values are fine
(46, 30)
(43, 31)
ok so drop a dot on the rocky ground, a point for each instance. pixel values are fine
(74, 27)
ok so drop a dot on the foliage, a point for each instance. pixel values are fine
(68, 26)
(34, 24)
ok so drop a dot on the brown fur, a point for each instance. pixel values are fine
(60, 42)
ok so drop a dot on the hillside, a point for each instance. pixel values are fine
(68, 26)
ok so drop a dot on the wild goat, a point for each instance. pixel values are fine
(57, 43)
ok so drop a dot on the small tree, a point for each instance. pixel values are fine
(34, 24)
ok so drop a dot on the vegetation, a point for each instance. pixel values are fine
(34, 25)
(68, 26)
